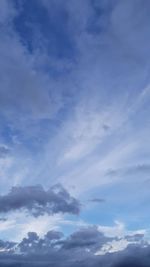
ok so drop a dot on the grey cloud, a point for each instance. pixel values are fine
(97, 200)
(134, 255)
(34, 244)
(53, 235)
(6, 245)
(136, 237)
(36, 251)
(87, 237)
(37, 201)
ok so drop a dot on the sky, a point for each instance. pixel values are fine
(74, 133)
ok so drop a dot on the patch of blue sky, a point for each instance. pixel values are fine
(40, 28)
(123, 200)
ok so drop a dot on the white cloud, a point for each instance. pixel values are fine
(88, 129)
(119, 230)
(119, 233)
(113, 246)
(18, 225)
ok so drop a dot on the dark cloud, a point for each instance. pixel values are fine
(134, 255)
(87, 237)
(97, 200)
(53, 235)
(37, 201)
(34, 244)
(6, 245)
(52, 250)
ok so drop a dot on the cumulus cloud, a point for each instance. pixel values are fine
(86, 238)
(37, 201)
(52, 250)
(34, 244)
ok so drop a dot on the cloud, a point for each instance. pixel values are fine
(37, 201)
(6, 245)
(34, 244)
(27, 94)
(52, 250)
(107, 70)
(135, 237)
(86, 237)
(135, 256)
(97, 200)
(138, 169)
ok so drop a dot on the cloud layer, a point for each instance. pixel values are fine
(79, 249)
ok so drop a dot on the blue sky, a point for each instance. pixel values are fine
(74, 112)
